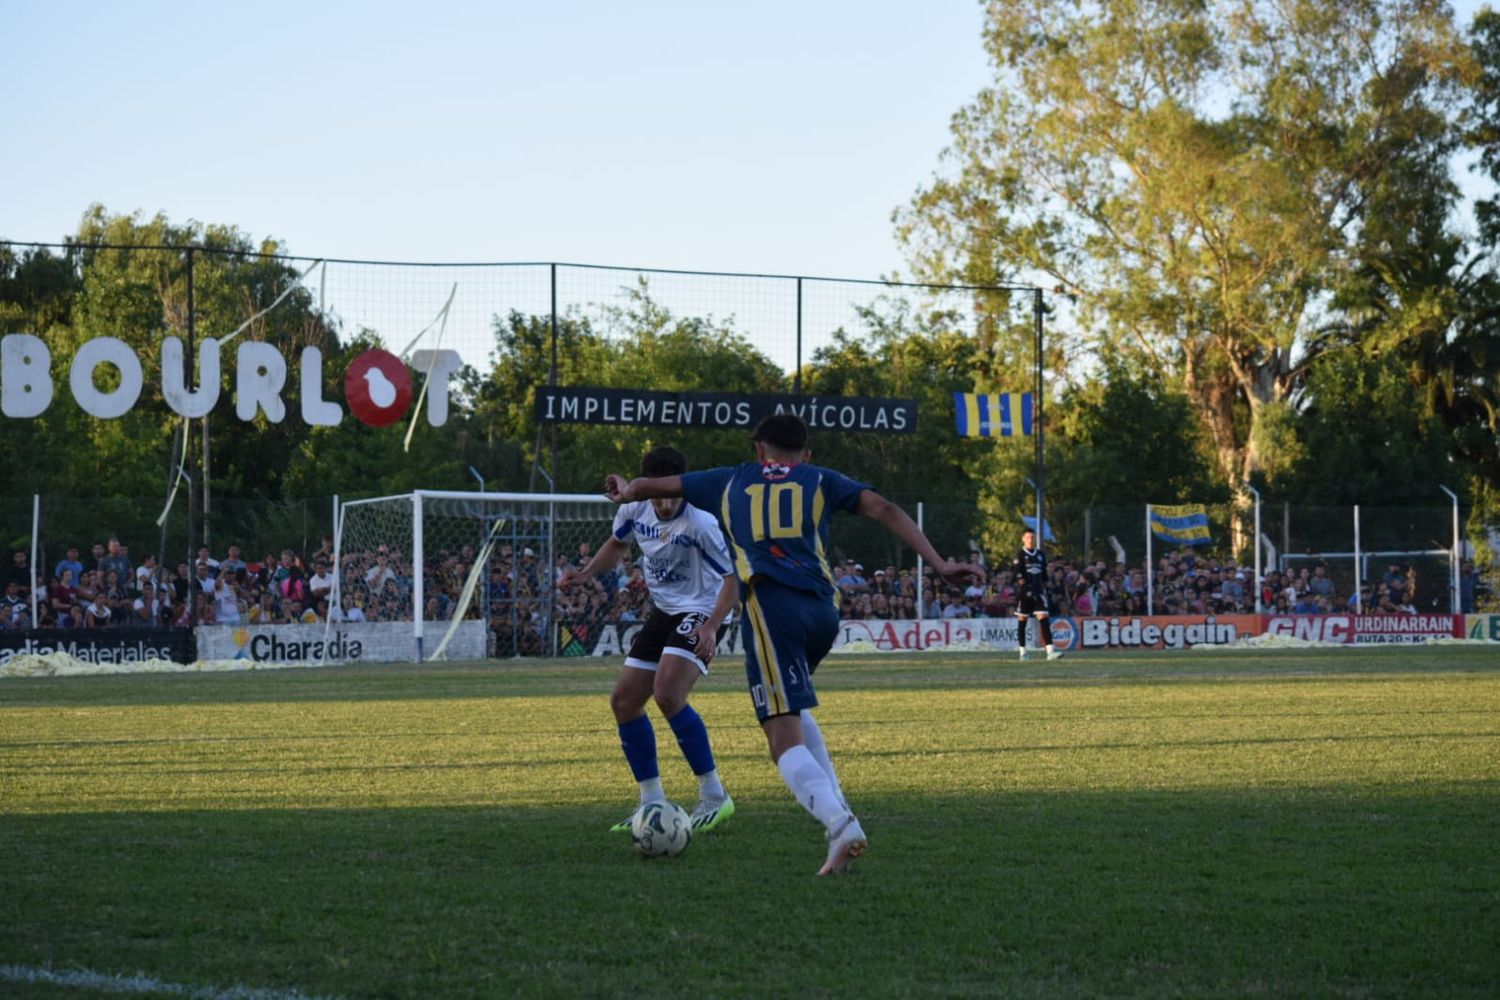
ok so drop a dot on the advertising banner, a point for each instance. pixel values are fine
(932, 633)
(1160, 631)
(1366, 630)
(721, 410)
(1486, 627)
(348, 642)
(614, 639)
(101, 645)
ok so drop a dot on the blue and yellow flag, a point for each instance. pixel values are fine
(1184, 524)
(993, 414)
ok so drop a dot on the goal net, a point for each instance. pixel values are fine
(438, 559)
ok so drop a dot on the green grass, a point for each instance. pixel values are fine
(1169, 824)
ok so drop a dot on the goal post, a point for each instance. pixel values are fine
(439, 557)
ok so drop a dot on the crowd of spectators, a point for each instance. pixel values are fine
(1183, 583)
(109, 589)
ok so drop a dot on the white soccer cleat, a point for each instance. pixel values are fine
(705, 816)
(844, 846)
(1054, 654)
(1021, 653)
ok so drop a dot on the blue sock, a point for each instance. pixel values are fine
(692, 737)
(638, 740)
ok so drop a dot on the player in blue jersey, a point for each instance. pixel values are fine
(775, 513)
(692, 591)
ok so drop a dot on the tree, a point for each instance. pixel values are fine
(639, 343)
(1200, 174)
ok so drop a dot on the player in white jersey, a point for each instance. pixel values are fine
(693, 590)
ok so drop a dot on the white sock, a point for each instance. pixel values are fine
(710, 788)
(1050, 649)
(812, 738)
(809, 784)
(651, 791)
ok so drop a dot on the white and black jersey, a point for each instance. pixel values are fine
(684, 558)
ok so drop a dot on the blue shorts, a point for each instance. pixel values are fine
(787, 633)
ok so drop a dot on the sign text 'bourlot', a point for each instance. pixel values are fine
(378, 388)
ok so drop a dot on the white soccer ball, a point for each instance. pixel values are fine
(661, 829)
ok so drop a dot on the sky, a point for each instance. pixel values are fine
(771, 137)
(765, 137)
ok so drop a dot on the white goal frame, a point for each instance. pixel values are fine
(418, 498)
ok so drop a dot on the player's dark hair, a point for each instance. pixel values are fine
(663, 461)
(783, 431)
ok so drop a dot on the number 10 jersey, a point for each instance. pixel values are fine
(776, 516)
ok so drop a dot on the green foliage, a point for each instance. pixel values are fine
(640, 344)
(1199, 174)
(1364, 436)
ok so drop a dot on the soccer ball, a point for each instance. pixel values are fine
(661, 829)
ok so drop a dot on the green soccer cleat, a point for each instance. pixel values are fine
(705, 816)
(623, 826)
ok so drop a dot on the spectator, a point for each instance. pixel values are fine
(380, 573)
(349, 612)
(320, 586)
(853, 577)
(294, 588)
(182, 586)
(63, 594)
(148, 610)
(233, 561)
(114, 593)
(98, 614)
(116, 561)
(207, 559)
(264, 612)
(70, 561)
(88, 585)
(1320, 585)
(146, 571)
(19, 570)
(227, 597)
(203, 581)
(96, 559)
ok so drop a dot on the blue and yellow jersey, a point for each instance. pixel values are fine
(775, 517)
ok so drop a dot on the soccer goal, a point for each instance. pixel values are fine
(445, 560)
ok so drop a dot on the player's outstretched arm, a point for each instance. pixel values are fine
(621, 490)
(609, 555)
(900, 524)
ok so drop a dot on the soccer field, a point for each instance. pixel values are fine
(1320, 822)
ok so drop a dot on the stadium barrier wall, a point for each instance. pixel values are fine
(1367, 630)
(113, 645)
(1486, 627)
(999, 634)
(350, 642)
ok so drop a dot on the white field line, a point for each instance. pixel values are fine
(106, 982)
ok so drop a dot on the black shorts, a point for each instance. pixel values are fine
(667, 633)
(1032, 604)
